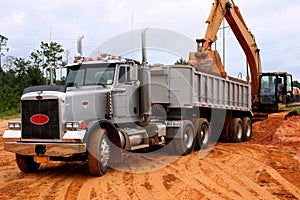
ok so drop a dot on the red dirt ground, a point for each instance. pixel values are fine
(266, 167)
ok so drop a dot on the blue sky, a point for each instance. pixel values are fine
(274, 24)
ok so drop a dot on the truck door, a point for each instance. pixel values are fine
(126, 95)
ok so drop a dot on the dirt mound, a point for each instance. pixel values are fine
(277, 132)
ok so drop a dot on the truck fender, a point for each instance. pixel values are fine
(112, 134)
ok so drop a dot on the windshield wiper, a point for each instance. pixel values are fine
(102, 84)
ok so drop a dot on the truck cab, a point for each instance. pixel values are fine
(91, 85)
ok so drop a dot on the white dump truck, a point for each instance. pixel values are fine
(112, 105)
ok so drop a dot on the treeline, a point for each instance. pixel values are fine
(12, 83)
(296, 84)
(18, 73)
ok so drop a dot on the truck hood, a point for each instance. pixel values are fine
(86, 103)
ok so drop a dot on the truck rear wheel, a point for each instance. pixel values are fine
(202, 136)
(185, 143)
(26, 163)
(236, 130)
(247, 124)
(98, 152)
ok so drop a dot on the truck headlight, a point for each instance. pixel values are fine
(15, 125)
(75, 125)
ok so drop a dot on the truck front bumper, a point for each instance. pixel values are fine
(45, 149)
(72, 145)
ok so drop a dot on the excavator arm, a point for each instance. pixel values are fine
(227, 9)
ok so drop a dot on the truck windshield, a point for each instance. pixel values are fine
(90, 74)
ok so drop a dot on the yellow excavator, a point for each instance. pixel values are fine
(271, 91)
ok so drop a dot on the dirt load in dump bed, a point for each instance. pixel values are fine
(266, 167)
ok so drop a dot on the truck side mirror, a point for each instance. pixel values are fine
(136, 83)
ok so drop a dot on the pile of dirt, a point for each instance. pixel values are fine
(277, 132)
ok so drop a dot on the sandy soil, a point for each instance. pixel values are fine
(266, 167)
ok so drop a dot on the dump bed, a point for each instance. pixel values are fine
(181, 86)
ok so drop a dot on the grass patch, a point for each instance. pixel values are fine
(9, 115)
(297, 108)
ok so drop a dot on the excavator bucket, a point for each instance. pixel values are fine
(283, 115)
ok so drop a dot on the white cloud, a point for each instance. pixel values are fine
(274, 24)
(18, 17)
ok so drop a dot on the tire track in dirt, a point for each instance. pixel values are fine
(272, 177)
(156, 180)
(275, 174)
(175, 185)
(283, 182)
(33, 181)
(49, 183)
(63, 188)
(110, 186)
(142, 187)
(87, 189)
(116, 187)
(200, 179)
(230, 178)
(52, 180)
(74, 187)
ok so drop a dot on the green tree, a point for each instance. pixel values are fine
(181, 61)
(296, 84)
(20, 74)
(49, 55)
(3, 48)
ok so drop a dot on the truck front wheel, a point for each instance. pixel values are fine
(26, 163)
(98, 152)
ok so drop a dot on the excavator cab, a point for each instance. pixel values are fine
(275, 91)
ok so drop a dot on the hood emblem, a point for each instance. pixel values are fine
(39, 119)
(85, 104)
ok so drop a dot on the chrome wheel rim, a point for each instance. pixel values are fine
(204, 134)
(104, 152)
(188, 137)
(239, 131)
(248, 131)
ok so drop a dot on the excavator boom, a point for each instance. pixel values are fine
(267, 95)
(226, 9)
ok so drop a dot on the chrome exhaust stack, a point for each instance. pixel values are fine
(145, 86)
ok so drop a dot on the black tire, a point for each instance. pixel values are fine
(27, 164)
(236, 130)
(203, 134)
(247, 124)
(225, 132)
(185, 143)
(98, 152)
